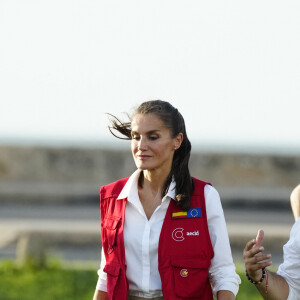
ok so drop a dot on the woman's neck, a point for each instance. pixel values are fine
(154, 180)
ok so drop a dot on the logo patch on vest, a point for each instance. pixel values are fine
(184, 273)
(178, 234)
(193, 233)
(191, 213)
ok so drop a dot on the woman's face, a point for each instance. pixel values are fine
(152, 145)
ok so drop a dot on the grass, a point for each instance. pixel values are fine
(50, 283)
(58, 282)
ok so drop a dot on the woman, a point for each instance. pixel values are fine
(163, 232)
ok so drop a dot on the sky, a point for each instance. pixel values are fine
(232, 68)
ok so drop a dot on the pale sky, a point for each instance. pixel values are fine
(231, 67)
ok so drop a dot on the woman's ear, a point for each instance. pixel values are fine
(178, 140)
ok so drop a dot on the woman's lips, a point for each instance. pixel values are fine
(142, 157)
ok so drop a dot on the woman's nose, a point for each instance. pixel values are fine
(142, 145)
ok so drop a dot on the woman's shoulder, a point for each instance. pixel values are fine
(202, 184)
(199, 181)
(113, 188)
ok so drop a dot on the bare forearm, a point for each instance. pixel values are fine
(100, 295)
(295, 202)
(277, 289)
(225, 295)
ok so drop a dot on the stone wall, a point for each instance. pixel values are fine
(58, 173)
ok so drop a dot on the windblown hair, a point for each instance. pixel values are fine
(174, 121)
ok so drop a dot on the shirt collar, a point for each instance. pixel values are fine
(130, 188)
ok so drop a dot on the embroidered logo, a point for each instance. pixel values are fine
(177, 235)
(193, 233)
(194, 213)
(184, 273)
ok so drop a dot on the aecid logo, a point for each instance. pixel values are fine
(178, 234)
(193, 233)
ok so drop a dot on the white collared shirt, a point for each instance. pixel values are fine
(290, 268)
(141, 243)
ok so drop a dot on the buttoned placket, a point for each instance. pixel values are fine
(146, 260)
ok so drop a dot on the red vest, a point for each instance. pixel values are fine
(184, 249)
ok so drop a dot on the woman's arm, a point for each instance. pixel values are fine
(278, 288)
(100, 295)
(100, 292)
(222, 270)
(295, 202)
(225, 295)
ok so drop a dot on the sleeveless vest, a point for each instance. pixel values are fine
(184, 249)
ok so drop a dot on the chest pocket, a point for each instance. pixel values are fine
(110, 227)
(190, 276)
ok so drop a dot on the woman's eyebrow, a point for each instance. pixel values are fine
(148, 132)
(153, 131)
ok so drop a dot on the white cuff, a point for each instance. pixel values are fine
(101, 285)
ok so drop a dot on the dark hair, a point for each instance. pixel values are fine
(174, 121)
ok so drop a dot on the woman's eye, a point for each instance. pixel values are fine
(135, 137)
(153, 137)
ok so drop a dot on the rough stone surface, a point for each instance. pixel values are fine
(60, 173)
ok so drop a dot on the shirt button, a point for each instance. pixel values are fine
(184, 273)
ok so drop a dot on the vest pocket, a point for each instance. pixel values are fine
(113, 271)
(190, 276)
(110, 230)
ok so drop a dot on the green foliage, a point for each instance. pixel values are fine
(59, 283)
(52, 282)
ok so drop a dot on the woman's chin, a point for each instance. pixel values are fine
(143, 168)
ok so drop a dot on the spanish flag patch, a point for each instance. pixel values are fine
(191, 213)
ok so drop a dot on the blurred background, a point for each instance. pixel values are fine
(231, 68)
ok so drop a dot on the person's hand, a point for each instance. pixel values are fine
(254, 259)
(295, 202)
